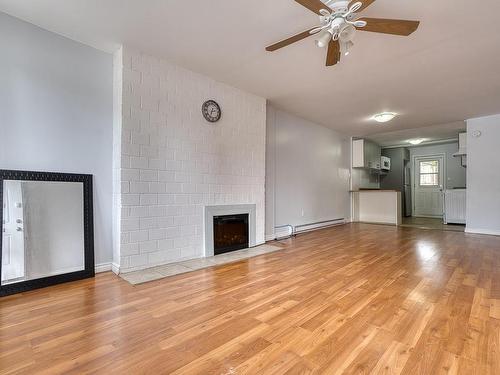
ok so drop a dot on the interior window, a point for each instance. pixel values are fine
(429, 173)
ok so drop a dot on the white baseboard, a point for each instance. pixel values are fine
(270, 237)
(103, 267)
(115, 268)
(482, 231)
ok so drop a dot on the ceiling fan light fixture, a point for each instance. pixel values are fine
(347, 32)
(324, 38)
(384, 117)
(346, 47)
(416, 142)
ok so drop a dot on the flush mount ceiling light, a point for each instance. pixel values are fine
(416, 142)
(384, 116)
(338, 22)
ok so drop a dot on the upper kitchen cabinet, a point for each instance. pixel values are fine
(365, 154)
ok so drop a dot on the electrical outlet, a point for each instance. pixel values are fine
(302, 213)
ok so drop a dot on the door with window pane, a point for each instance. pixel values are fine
(428, 186)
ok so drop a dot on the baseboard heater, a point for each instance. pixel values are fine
(303, 228)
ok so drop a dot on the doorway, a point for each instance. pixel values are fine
(428, 186)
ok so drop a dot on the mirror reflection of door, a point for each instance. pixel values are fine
(13, 269)
(43, 230)
(428, 182)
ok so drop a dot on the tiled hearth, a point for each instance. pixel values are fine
(160, 272)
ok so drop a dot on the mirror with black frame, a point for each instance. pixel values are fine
(47, 235)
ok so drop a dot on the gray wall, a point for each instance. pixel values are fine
(307, 172)
(483, 175)
(455, 173)
(56, 112)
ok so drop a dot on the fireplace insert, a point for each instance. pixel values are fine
(230, 233)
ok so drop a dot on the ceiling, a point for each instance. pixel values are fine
(446, 71)
(430, 134)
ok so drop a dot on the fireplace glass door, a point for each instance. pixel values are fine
(230, 233)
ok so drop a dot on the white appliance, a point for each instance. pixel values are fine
(455, 206)
(385, 163)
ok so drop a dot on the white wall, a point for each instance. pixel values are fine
(56, 112)
(173, 163)
(483, 175)
(455, 173)
(307, 177)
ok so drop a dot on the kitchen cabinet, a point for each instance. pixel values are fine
(365, 154)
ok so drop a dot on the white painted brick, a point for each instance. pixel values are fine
(166, 176)
(139, 162)
(140, 211)
(139, 236)
(165, 222)
(165, 199)
(157, 211)
(157, 187)
(140, 138)
(130, 224)
(173, 232)
(149, 151)
(148, 246)
(129, 249)
(164, 256)
(166, 153)
(165, 245)
(157, 234)
(147, 223)
(139, 187)
(149, 175)
(138, 260)
(130, 174)
(158, 164)
(130, 199)
(174, 163)
(174, 188)
(148, 199)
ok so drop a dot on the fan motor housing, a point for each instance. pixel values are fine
(340, 6)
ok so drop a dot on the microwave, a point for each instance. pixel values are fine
(385, 163)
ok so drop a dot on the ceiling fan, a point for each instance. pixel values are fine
(338, 23)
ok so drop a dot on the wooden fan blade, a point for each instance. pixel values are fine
(290, 40)
(333, 54)
(313, 5)
(385, 26)
(366, 4)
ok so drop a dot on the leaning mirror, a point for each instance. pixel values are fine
(47, 235)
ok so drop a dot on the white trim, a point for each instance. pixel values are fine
(211, 211)
(414, 182)
(103, 267)
(270, 237)
(115, 268)
(482, 231)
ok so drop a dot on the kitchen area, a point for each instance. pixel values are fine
(411, 182)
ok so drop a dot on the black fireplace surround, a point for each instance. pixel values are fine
(230, 233)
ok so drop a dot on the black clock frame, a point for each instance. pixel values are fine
(206, 115)
(88, 228)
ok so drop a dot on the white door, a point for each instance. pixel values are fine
(12, 233)
(428, 186)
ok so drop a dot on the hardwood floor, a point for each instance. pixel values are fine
(352, 299)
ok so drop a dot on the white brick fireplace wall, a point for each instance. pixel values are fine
(171, 163)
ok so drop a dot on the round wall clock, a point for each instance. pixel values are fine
(211, 111)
